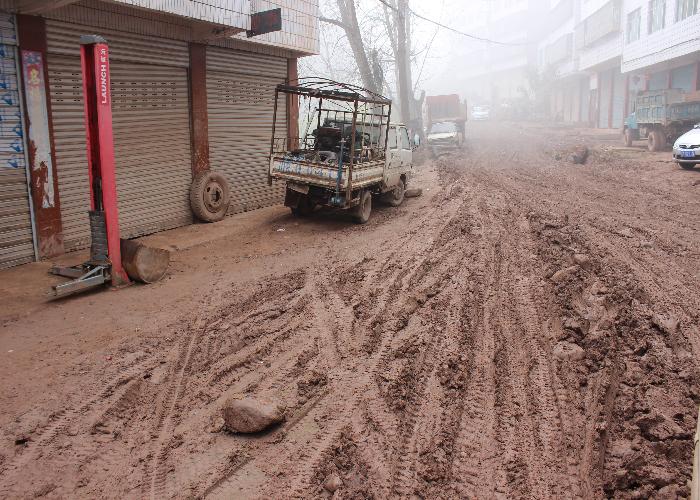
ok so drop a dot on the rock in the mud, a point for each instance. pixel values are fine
(566, 351)
(216, 425)
(332, 483)
(413, 193)
(573, 325)
(579, 155)
(251, 415)
(582, 260)
(562, 274)
(667, 324)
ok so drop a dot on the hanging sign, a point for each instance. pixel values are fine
(266, 21)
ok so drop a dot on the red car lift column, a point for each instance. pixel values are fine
(94, 56)
(105, 262)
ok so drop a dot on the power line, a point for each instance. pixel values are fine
(448, 28)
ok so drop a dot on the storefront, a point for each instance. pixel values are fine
(150, 112)
(16, 232)
(172, 117)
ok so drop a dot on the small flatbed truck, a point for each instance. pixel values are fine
(350, 151)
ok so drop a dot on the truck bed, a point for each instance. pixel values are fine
(324, 175)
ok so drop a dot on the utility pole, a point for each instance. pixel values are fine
(405, 89)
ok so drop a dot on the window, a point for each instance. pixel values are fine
(634, 21)
(686, 8)
(405, 142)
(443, 127)
(657, 15)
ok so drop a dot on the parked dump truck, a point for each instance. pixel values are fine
(661, 116)
(445, 118)
(349, 151)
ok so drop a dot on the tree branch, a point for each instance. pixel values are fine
(332, 21)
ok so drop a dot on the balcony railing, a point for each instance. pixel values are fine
(599, 25)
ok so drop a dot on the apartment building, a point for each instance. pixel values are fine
(558, 60)
(192, 89)
(662, 45)
(619, 48)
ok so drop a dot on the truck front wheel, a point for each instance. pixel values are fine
(396, 195)
(656, 141)
(361, 212)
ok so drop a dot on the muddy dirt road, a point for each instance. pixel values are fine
(529, 328)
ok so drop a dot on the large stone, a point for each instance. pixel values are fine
(567, 351)
(332, 483)
(563, 274)
(251, 415)
(579, 155)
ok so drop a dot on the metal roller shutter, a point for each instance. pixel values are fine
(240, 102)
(604, 90)
(16, 240)
(585, 101)
(150, 112)
(618, 110)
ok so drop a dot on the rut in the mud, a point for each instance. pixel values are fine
(496, 348)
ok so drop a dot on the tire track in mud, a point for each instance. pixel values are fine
(434, 350)
(405, 281)
(385, 324)
(155, 475)
(41, 445)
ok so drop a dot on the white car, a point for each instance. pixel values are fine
(444, 136)
(481, 113)
(686, 149)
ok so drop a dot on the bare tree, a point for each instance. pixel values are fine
(379, 36)
(367, 64)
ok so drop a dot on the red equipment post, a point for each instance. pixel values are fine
(94, 55)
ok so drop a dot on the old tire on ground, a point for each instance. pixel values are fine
(361, 212)
(686, 165)
(304, 208)
(209, 196)
(656, 141)
(395, 196)
(628, 138)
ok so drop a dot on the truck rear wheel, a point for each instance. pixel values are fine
(361, 212)
(304, 208)
(656, 141)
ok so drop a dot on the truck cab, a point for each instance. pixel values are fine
(399, 157)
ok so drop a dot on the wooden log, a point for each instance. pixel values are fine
(143, 263)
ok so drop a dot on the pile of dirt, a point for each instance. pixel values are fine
(636, 373)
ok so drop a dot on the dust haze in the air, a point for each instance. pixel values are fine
(445, 59)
